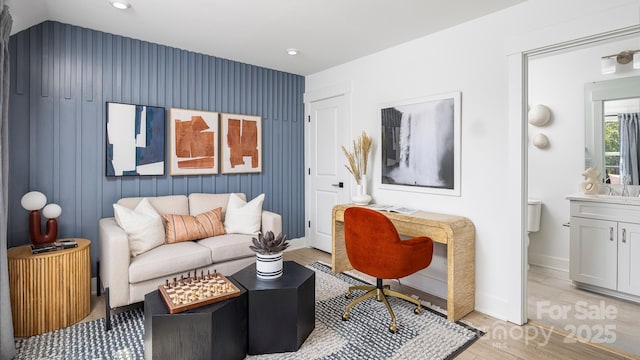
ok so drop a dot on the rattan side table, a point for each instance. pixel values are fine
(50, 290)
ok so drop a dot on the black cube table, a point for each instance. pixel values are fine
(282, 312)
(215, 331)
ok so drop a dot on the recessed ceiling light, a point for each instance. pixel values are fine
(292, 51)
(120, 4)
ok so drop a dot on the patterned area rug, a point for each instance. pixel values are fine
(365, 336)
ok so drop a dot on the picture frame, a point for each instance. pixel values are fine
(135, 139)
(193, 142)
(420, 145)
(241, 143)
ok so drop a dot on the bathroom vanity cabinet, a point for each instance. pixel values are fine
(605, 245)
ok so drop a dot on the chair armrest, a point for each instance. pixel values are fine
(114, 261)
(271, 222)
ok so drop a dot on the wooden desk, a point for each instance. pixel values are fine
(50, 290)
(457, 232)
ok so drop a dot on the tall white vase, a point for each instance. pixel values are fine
(361, 197)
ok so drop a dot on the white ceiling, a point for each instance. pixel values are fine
(326, 32)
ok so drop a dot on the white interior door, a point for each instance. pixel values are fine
(327, 174)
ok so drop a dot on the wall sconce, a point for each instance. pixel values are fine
(609, 62)
(540, 141)
(34, 201)
(539, 115)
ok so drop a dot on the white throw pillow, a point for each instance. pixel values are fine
(143, 226)
(243, 217)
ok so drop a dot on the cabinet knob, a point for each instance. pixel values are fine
(624, 235)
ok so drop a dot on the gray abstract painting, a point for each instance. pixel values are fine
(418, 144)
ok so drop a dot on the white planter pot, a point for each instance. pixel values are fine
(269, 266)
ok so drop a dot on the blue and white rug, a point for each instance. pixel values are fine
(364, 336)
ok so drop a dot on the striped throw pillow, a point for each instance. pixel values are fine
(185, 227)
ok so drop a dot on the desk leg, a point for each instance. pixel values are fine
(339, 260)
(461, 275)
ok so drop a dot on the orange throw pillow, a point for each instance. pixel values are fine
(184, 227)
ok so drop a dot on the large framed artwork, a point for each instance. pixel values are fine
(421, 145)
(241, 143)
(194, 142)
(135, 140)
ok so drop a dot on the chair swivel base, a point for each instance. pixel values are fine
(380, 292)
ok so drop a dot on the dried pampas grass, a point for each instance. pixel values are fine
(359, 157)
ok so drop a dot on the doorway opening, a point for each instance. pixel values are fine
(556, 77)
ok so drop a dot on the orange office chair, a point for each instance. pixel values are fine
(375, 248)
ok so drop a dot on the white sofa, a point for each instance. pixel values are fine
(127, 279)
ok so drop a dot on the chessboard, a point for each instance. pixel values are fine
(194, 291)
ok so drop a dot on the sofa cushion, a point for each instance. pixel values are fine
(228, 247)
(199, 202)
(169, 259)
(171, 204)
(186, 227)
(143, 226)
(243, 217)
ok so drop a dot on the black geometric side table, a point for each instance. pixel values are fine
(215, 331)
(282, 312)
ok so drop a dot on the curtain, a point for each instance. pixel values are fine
(629, 128)
(7, 345)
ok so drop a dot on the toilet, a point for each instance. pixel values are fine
(533, 217)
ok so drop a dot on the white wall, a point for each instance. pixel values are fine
(471, 58)
(558, 81)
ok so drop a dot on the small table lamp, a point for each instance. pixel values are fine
(34, 201)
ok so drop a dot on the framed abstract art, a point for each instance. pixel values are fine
(194, 142)
(135, 140)
(421, 145)
(241, 143)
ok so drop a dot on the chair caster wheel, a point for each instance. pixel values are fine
(393, 328)
(345, 316)
(417, 311)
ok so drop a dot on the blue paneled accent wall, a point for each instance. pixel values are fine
(61, 77)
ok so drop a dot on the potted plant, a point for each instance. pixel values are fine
(269, 248)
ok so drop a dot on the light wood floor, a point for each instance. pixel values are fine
(520, 342)
(555, 301)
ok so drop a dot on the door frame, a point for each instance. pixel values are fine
(518, 54)
(340, 89)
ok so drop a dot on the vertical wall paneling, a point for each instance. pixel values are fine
(61, 78)
(45, 52)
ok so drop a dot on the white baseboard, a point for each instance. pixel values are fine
(491, 305)
(552, 262)
(426, 283)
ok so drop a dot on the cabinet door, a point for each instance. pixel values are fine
(629, 258)
(593, 256)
